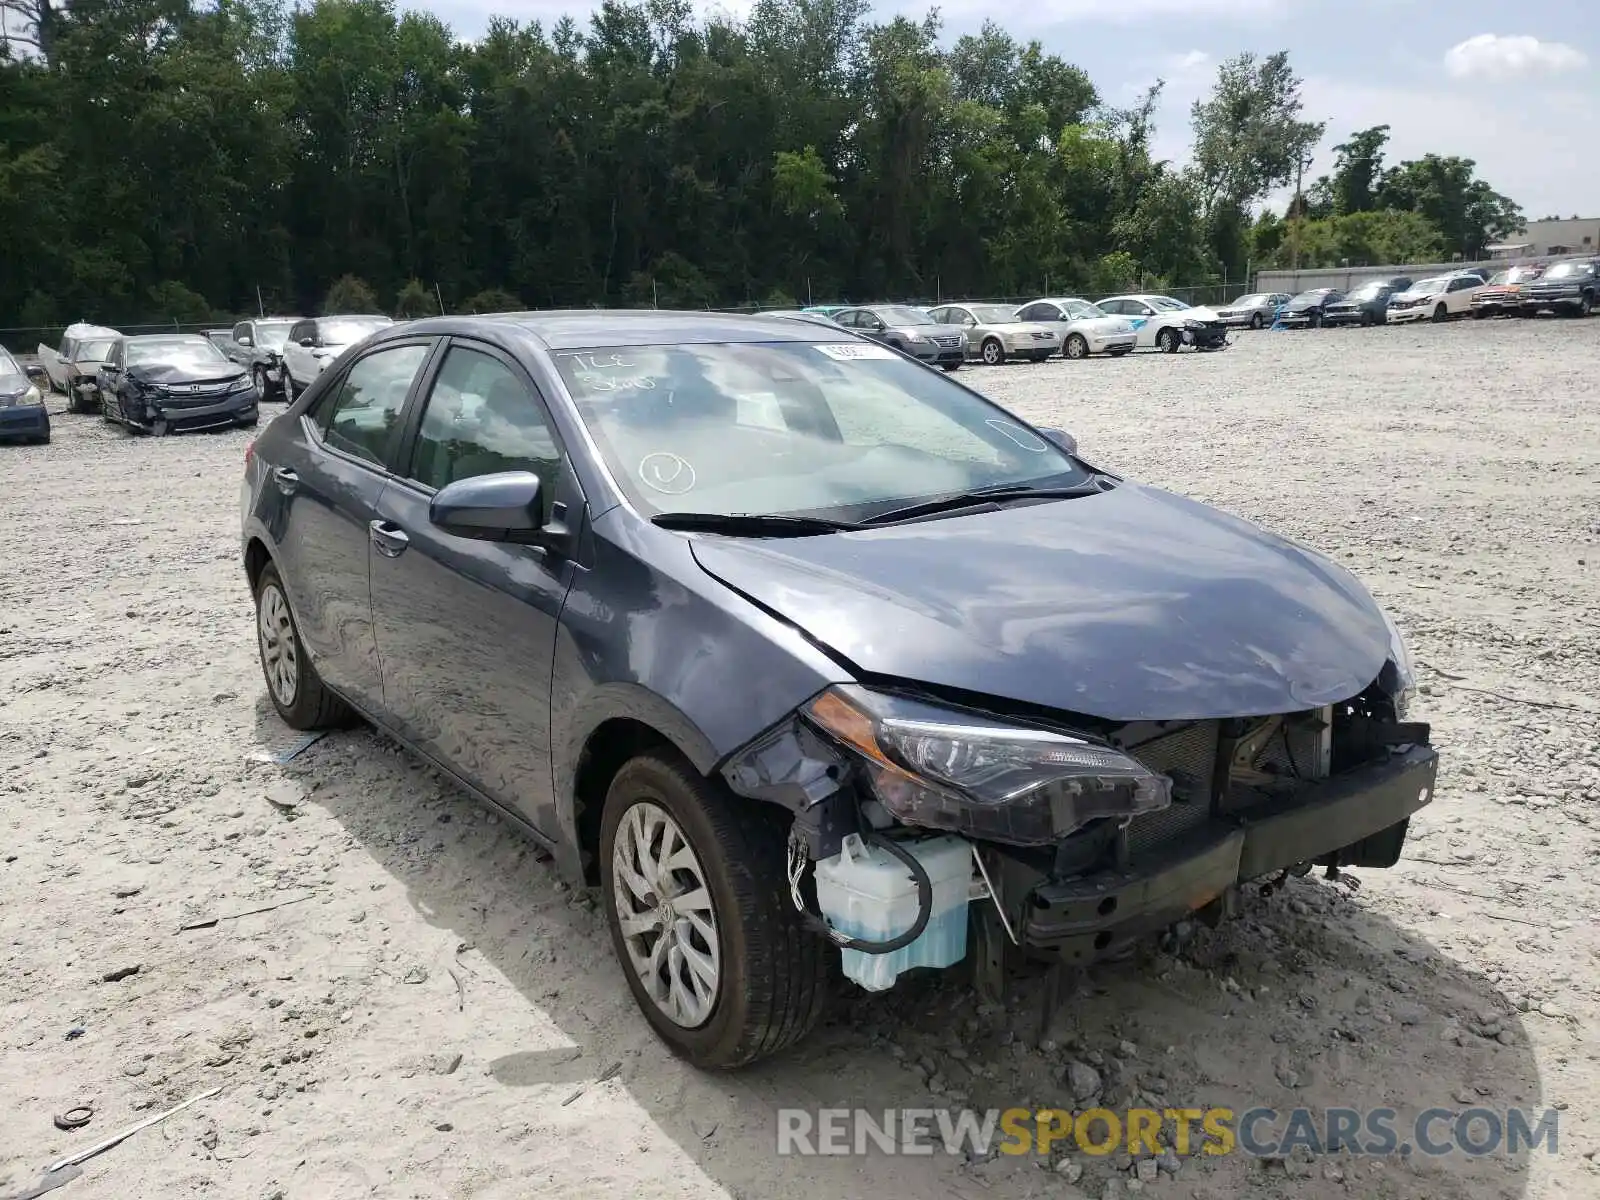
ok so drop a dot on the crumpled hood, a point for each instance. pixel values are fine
(168, 374)
(1136, 604)
(1200, 312)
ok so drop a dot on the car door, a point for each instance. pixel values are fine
(466, 629)
(108, 383)
(323, 492)
(1142, 317)
(1459, 292)
(297, 358)
(1045, 313)
(237, 346)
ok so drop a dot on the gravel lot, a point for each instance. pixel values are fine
(433, 1013)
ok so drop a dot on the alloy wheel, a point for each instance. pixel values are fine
(666, 914)
(280, 652)
(1077, 347)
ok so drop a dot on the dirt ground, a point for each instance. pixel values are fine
(432, 1014)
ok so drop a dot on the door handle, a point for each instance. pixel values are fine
(390, 540)
(286, 480)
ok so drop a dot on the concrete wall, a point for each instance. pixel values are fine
(1581, 235)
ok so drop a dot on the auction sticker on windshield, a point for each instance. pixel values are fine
(846, 351)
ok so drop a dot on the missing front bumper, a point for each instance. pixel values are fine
(1355, 819)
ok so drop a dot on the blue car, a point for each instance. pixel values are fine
(23, 415)
(809, 656)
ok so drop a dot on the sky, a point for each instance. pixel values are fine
(1515, 87)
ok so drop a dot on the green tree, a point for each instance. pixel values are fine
(492, 300)
(1466, 211)
(350, 295)
(414, 300)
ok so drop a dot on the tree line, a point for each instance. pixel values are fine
(171, 160)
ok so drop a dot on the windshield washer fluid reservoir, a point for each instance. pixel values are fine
(865, 892)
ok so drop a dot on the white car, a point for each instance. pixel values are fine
(316, 341)
(1168, 324)
(1436, 299)
(1084, 329)
(995, 333)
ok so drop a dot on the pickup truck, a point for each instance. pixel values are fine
(74, 366)
(257, 346)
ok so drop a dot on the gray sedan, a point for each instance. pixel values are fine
(994, 333)
(1254, 310)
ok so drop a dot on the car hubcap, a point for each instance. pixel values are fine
(991, 353)
(1075, 348)
(666, 915)
(280, 654)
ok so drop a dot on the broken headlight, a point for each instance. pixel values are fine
(943, 768)
(1399, 676)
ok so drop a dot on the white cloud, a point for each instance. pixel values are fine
(1195, 60)
(1491, 56)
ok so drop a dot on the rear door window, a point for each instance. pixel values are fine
(362, 415)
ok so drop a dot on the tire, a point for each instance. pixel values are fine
(950, 366)
(299, 695)
(250, 422)
(1119, 351)
(1478, 314)
(1168, 341)
(771, 971)
(1314, 320)
(992, 352)
(1585, 305)
(1076, 346)
(289, 394)
(1256, 322)
(258, 376)
(1440, 313)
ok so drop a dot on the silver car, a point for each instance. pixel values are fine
(994, 333)
(1255, 310)
(1084, 328)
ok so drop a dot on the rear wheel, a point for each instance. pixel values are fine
(716, 956)
(1168, 341)
(992, 352)
(297, 691)
(1077, 346)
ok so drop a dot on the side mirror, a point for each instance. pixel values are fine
(504, 507)
(1062, 439)
(37, 373)
(307, 342)
(247, 340)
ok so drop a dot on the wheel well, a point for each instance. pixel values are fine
(255, 560)
(608, 748)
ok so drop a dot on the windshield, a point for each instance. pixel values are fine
(1565, 270)
(346, 331)
(1428, 287)
(93, 351)
(1167, 304)
(1077, 309)
(1251, 301)
(897, 315)
(1368, 291)
(176, 352)
(8, 365)
(993, 314)
(835, 429)
(270, 335)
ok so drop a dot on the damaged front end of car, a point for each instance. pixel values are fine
(933, 821)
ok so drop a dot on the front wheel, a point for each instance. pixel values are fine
(1441, 313)
(1315, 320)
(289, 394)
(1168, 341)
(950, 366)
(692, 877)
(259, 378)
(1077, 346)
(992, 352)
(1256, 322)
(297, 691)
(1586, 305)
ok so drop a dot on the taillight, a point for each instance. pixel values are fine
(249, 453)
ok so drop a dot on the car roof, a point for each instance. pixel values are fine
(349, 317)
(575, 329)
(80, 332)
(147, 339)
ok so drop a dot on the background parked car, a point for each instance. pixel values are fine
(1167, 323)
(1085, 328)
(909, 330)
(1502, 295)
(1366, 305)
(1570, 286)
(995, 334)
(315, 342)
(1436, 299)
(257, 345)
(1309, 306)
(166, 382)
(23, 414)
(74, 367)
(1255, 310)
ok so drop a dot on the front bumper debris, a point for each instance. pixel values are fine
(1357, 818)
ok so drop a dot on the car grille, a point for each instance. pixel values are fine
(1189, 757)
(195, 395)
(943, 340)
